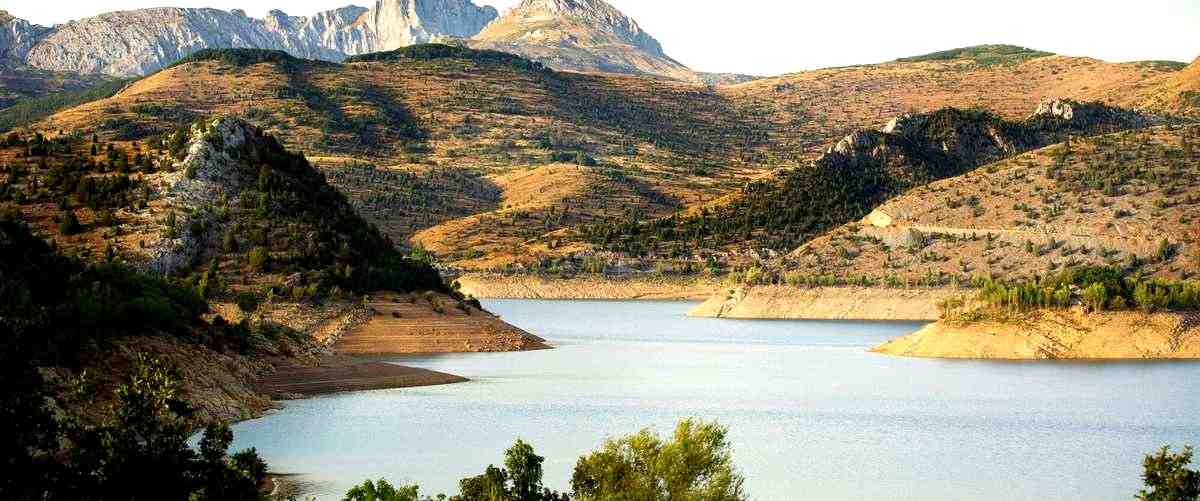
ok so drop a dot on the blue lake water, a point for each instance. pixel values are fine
(811, 413)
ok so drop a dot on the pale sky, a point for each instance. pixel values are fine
(769, 37)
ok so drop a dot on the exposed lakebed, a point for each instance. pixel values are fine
(812, 414)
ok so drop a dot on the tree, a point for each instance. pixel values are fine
(1167, 477)
(696, 464)
(382, 491)
(520, 480)
(525, 471)
(68, 223)
(247, 302)
(1095, 297)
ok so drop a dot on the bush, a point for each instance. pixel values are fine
(696, 463)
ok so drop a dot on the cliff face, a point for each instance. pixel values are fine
(17, 37)
(580, 35)
(137, 42)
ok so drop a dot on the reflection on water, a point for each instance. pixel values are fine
(811, 413)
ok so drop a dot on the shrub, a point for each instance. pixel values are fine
(259, 259)
(696, 463)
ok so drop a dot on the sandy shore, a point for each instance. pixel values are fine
(407, 324)
(824, 303)
(1058, 335)
(359, 334)
(495, 286)
(341, 374)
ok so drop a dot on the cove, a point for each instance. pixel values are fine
(812, 414)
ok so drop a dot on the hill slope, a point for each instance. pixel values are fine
(1129, 200)
(860, 171)
(432, 135)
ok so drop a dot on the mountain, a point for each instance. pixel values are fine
(492, 161)
(579, 35)
(138, 42)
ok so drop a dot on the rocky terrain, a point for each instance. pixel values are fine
(578, 35)
(138, 42)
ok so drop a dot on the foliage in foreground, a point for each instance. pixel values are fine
(1168, 478)
(137, 450)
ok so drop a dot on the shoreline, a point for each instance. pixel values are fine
(1058, 335)
(589, 287)
(341, 374)
(781, 302)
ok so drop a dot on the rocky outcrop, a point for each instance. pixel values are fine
(949, 142)
(1089, 116)
(400, 23)
(137, 42)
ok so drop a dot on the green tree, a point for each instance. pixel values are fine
(695, 464)
(247, 302)
(1095, 297)
(525, 471)
(382, 491)
(1168, 478)
(68, 223)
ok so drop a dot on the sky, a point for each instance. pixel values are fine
(769, 37)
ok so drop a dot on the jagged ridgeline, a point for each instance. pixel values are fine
(249, 207)
(861, 171)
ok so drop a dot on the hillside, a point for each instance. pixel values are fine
(1177, 93)
(863, 169)
(450, 128)
(20, 83)
(1128, 199)
(250, 230)
(1111, 199)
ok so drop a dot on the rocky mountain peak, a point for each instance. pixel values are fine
(538, 17)
(399, 23)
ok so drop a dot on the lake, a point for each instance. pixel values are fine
(811, 413)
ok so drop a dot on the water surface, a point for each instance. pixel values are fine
(812, 415)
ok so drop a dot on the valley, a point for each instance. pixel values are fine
(384, 241)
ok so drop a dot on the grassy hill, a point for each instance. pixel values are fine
(454, 128)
